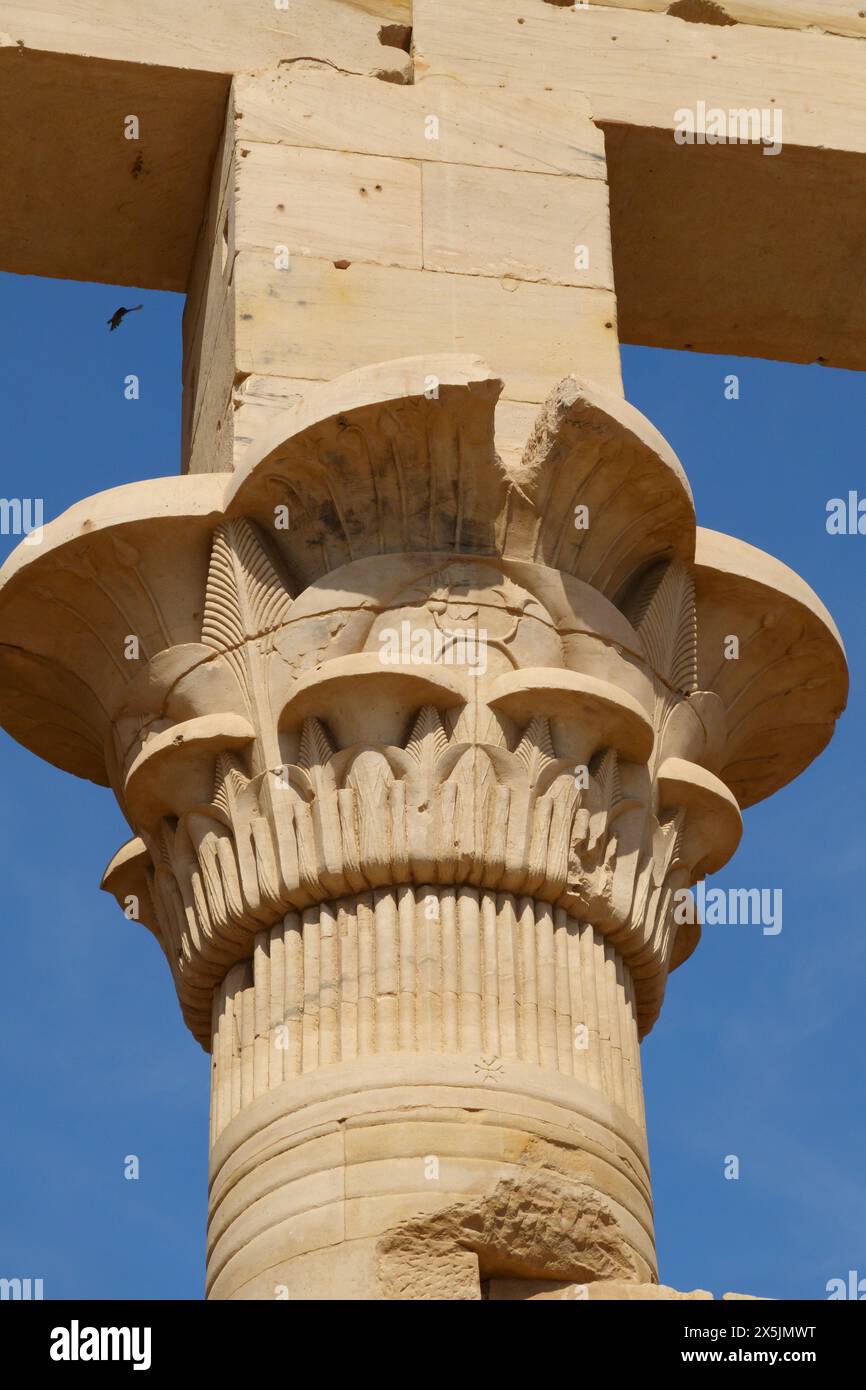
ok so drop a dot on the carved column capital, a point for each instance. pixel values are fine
(417, 745)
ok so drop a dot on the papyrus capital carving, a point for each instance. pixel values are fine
(419, 747)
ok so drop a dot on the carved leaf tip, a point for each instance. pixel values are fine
(427, 733)
(664, 612)
(607, 779)
(229, 782)
(316, 748)
(244, 594)
(535, 749)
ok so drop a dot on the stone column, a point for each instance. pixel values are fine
(421, 747)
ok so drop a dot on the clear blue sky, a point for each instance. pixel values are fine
(759, 1050)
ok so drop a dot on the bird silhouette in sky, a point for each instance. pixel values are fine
(119, 315)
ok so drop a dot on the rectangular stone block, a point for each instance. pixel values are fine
(504, 223)
(327, 203)
(314, 106)
(317, 321)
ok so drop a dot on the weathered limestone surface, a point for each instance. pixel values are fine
(312, 105)
(177, 34)
(828, 16)
(416, 762)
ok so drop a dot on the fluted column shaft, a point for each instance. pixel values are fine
(426, 970)
(494, 988)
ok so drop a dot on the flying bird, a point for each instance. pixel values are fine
(119, 315)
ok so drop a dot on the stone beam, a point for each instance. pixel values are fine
(638, 68)
(710, 246)
(80, 200)
(846, 17)
(712, 251)
(220, 37)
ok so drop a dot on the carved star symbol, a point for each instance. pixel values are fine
(489, 1069)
